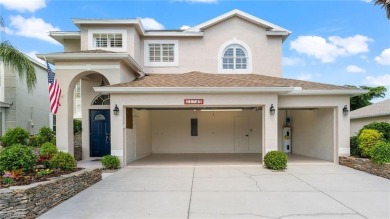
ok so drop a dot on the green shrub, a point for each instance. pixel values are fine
(110, 162)
(33, 141)
(367, 139)
(275, 160)
(354, 146)
(382, 127)
(77, 126)
(381, 152)
(15, 136)
(63, 161)
(17, 157)
(45, 134)
(48, 149)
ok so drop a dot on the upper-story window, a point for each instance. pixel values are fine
(161, 53)
(107, 39)
(234, 57)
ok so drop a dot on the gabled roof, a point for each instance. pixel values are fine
(271, 28)
(377, 109)
(196, 81)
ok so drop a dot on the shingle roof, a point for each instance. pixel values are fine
(377, 109)
(199, 79)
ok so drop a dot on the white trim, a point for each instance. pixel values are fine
(86, 67)
(118, 153)
(108, 31)
(234, 71)
(344, 151)
(178, 33)
(238, 13)
(327, 92)
(195, 89)
(162, 64)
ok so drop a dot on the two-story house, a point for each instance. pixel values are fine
(18, 107)
(214, 88)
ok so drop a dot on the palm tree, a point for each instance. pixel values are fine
(13, 57)
(385, 4)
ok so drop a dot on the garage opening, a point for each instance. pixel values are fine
(211, 134)
(307, 134)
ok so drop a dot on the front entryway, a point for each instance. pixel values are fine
(100, 136)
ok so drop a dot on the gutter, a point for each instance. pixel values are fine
(197, 90)
(352, 93)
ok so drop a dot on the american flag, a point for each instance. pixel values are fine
(54, 90)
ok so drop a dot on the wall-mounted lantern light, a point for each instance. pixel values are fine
(345, 110)
(272, 110)
(116, 110)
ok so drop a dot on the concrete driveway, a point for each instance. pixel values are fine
(240, 191)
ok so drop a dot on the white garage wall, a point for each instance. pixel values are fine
(313, 133)
(172, 132)
(143, 122)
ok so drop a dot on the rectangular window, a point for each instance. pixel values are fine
(161, 53)
(107, 40)
(194, 127)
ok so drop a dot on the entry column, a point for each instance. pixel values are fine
(270, 127)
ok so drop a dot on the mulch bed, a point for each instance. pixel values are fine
(32, 177)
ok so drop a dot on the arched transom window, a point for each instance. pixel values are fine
(103, 99)
(235, 57)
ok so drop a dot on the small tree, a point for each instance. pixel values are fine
(365, 99)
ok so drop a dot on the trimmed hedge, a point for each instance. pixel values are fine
(367, 140)
(17, 157)
(15, 136)
(63, 161)
(110, 162)
(380, 154)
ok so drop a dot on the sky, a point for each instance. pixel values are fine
(332, 41)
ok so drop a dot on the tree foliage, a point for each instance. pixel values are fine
(364, 99)
(11, 57)
(385, 4)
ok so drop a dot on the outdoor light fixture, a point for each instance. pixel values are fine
(272, 110)
(102, 84)
(345, 110)
(116, 110)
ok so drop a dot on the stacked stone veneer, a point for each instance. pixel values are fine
(33, 200)
(366, 165)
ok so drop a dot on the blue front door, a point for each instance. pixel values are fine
(100, 133)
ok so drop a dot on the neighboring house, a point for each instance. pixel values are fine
(378, 112)
(214, 88)
(20, 108)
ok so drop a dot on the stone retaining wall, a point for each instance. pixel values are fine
(366, 165)
(35, 199)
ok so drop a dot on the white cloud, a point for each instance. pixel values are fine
(366, 1)
(355, 69)
(293, 61)
(304, 77)
(23, 5)
(384, 57)
(328, 50)
(185, 27)
(381, 80)
(32, 28)
(151, 24)
(33, 55)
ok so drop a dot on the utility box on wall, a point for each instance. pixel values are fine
(287, 139)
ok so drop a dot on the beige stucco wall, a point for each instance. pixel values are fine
(201, 53)
(216, 131)
(313, 133)
(357, 124)
(72, 45)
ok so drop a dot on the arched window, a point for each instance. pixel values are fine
(234, 57)
(103, 99)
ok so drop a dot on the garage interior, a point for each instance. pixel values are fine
(224, 136)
